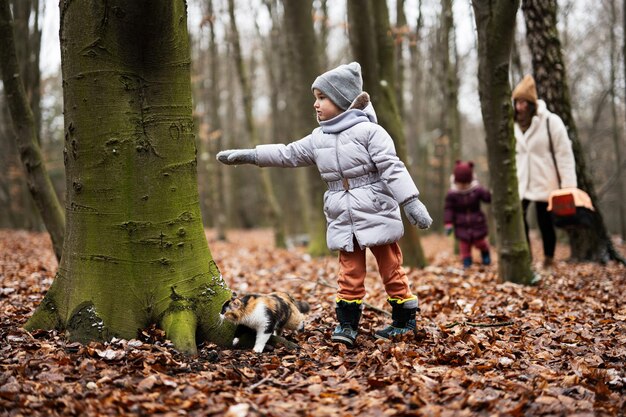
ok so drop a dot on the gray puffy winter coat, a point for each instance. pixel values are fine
(366, 180)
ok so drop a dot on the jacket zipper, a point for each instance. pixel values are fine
(346, 191)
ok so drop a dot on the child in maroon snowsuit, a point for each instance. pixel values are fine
(463, 215)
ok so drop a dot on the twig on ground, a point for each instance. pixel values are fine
(279, 340)
(259, 383)
(469, 323)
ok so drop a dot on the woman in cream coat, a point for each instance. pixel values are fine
(536, 170)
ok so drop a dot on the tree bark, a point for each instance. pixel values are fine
(451, 118)
(324, 33)
(617, 138)
(416, 147)
(495, 22)
(28, 45)
(275, 212)
(302, 45)
(216, 136)
(135, 251)
(587, 244)
(27, 141)
(400, 32)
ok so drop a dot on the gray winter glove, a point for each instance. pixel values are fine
(237, 156)
(417, 214)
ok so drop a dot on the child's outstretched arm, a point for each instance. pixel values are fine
(237, 156)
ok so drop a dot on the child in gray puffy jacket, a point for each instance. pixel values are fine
(367, 185)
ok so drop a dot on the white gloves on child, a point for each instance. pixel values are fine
(237, 156)
(417, 214)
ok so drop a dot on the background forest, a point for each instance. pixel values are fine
(126, 321)
(437, 90)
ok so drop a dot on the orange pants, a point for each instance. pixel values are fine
(352, 272)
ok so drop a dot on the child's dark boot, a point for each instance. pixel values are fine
(348, 315)
(467, 262)
(402, 316)
(486, 258)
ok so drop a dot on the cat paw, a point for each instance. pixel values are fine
(258, 350)
(235, 341)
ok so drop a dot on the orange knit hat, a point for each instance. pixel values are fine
(526, 89)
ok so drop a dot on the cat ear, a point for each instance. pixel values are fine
(236, 303)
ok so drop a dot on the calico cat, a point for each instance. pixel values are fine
(267, 314)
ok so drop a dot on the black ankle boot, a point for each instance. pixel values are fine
(486, 257)
(348, 315)
(403, 319)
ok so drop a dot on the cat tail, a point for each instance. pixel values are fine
(303, 306)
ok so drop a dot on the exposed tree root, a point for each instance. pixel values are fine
(180, 327)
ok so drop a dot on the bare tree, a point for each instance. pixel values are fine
(450, 116)
(617, 138)
(26, 130)
(303, 53)
(495, 25)
(275, 212)
(400, 35)
(216, 137)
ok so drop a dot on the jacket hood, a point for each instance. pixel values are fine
(361, 110)
(541, 106)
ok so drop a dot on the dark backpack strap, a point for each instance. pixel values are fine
(558, 175)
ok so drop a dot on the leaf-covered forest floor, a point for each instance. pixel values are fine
(554, 349)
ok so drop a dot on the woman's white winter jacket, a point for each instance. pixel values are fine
(367, 181)
(536, 172)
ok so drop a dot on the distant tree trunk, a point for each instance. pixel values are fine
(587, 244)
(216, 136)
(324, 32)
(135, 252)
(415, 144)
(451, 118)
(401, 30)
(275, 212)
(379, 76)
(27, 40)
(495, 26)
(302, 46)
(617, 138)
(363, 44)
(28, 46)
(39, 182)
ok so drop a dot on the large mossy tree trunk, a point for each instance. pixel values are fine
(26, 135)
(372, 44)
(135, 251)
(586, 243)
(495, 23)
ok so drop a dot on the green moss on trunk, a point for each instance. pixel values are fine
(134, 229)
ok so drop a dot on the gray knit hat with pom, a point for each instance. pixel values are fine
(341, 84)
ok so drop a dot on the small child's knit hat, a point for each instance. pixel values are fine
(342, 84)
(464, 172)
